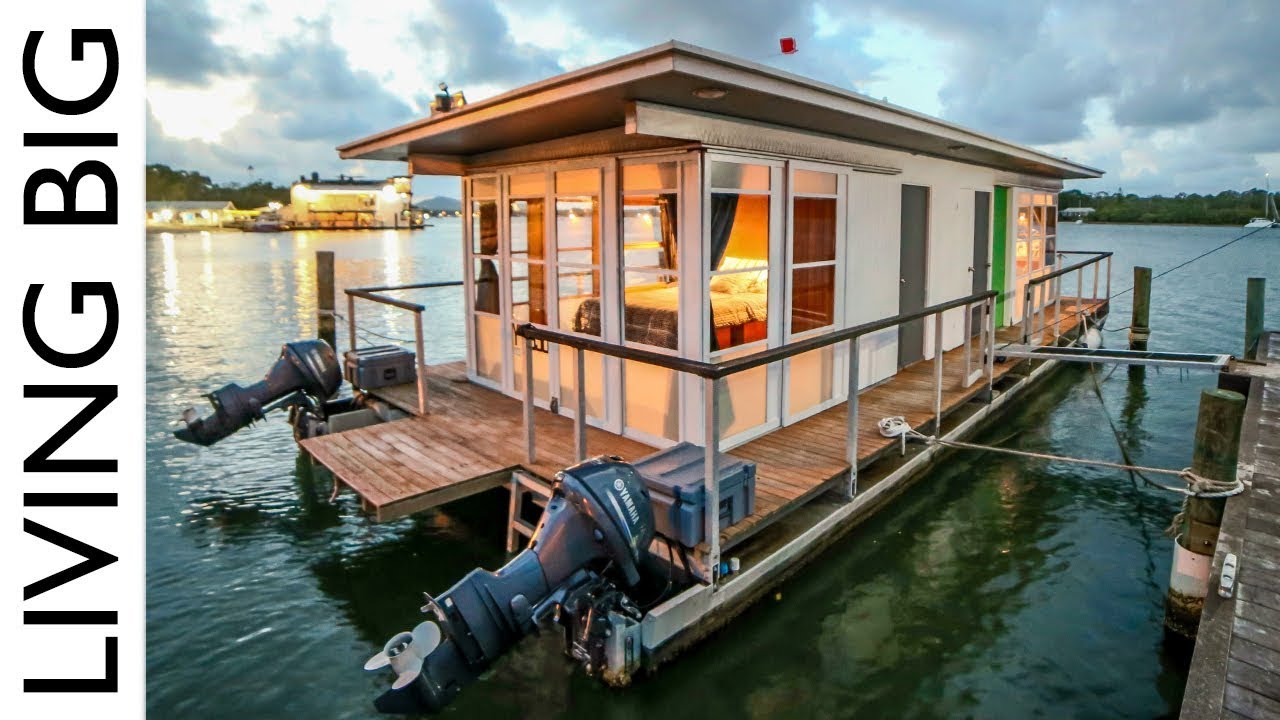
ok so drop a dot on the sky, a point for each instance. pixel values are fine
(1166, 96)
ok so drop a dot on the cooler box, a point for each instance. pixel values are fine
(674, 477)
(379, 366)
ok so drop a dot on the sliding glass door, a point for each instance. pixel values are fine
(814, 287)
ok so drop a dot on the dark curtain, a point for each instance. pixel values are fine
(487, 274)
(667, 224)
(724, 208)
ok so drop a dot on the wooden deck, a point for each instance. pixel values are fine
(473, 438)
(1235, 671)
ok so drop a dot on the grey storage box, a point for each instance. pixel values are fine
(675, 480)
(379, 366)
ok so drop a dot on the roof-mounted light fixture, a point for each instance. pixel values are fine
(445, 101)
(710, 93)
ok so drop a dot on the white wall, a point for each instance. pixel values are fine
(875, 207)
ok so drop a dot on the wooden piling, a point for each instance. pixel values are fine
(1214, 457)
(326, 327)
(1255, 299)
(1139, 324)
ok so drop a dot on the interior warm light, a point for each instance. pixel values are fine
(710, 93)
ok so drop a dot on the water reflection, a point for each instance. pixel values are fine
(994, 588)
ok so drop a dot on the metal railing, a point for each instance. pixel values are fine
(711, 373)
(372, 294)
(1040, 290)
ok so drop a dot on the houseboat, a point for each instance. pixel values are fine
(694, 282)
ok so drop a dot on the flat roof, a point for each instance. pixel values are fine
(596, 98)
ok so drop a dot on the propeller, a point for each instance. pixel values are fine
(406, 652)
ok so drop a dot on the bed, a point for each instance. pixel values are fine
(652, 317)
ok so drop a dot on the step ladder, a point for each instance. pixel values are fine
(522, 485)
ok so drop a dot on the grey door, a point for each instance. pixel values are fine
(981, 257)
(911, 285)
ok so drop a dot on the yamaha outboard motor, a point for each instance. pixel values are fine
(306, 375)
(597, 526)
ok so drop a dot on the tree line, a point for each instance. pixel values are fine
(1229, 207)
(166, 183)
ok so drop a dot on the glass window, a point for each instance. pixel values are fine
(484, 245)
(651, 177)
(484, 187)
(737, 176)
(650, 255)
(813, 256)
(1035, 247)
(528, 261)
(578, 250)
(812, 182)
(527, 184)
(739, 249)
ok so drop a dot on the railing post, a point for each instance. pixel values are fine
(851, 421)
(937, 374)
(580, 412)
(1108, 278)
(968, 342)
(990, 357)
(351, 321)
(422, 362)
(1096, 285)
(531, 451)
(1044, 313)
(1026, 315)
(1080, 289)
(1057, 308)
(711, 479)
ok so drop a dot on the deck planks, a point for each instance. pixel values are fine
(472, 438)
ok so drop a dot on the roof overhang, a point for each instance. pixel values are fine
(598, 98)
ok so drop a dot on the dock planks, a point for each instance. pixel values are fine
(1235, 671)
(472, 439)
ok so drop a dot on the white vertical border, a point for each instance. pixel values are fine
(56, 255)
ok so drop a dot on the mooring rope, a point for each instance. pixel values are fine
(1197, 486)
(366, 332)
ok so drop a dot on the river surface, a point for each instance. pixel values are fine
(993, 588)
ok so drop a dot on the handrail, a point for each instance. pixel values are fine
(1070, 268)
(717, 371)
(713, 372)
(371, 293)
(1036, 296)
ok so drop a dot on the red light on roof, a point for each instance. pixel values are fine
(788, 45)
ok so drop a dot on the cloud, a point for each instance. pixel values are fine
(1167, 96)
(180, 43)
(478, 46)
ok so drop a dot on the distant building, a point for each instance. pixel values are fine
(1076, 212)
(195, 213)
(348, 202)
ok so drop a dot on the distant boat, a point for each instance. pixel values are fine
(267, 222)
(1272, 218)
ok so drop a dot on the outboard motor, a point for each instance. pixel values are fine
(306, 375)
(597, 527)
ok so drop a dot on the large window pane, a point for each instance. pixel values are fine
(578, 181)
(649, 231)
(528, 184)
(736, 176)
(812, 182)
(529, 292)
(814, 234)
(650, 309)
(579, 299)
(578, 230)
(484, 187)
(484, 227)
(528, 229)
(487, 286)
(749, 236)
(813, 292)
(653, 176)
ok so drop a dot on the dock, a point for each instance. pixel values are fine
(420, 462)
(1235, 669)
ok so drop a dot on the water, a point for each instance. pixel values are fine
(993, 588)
